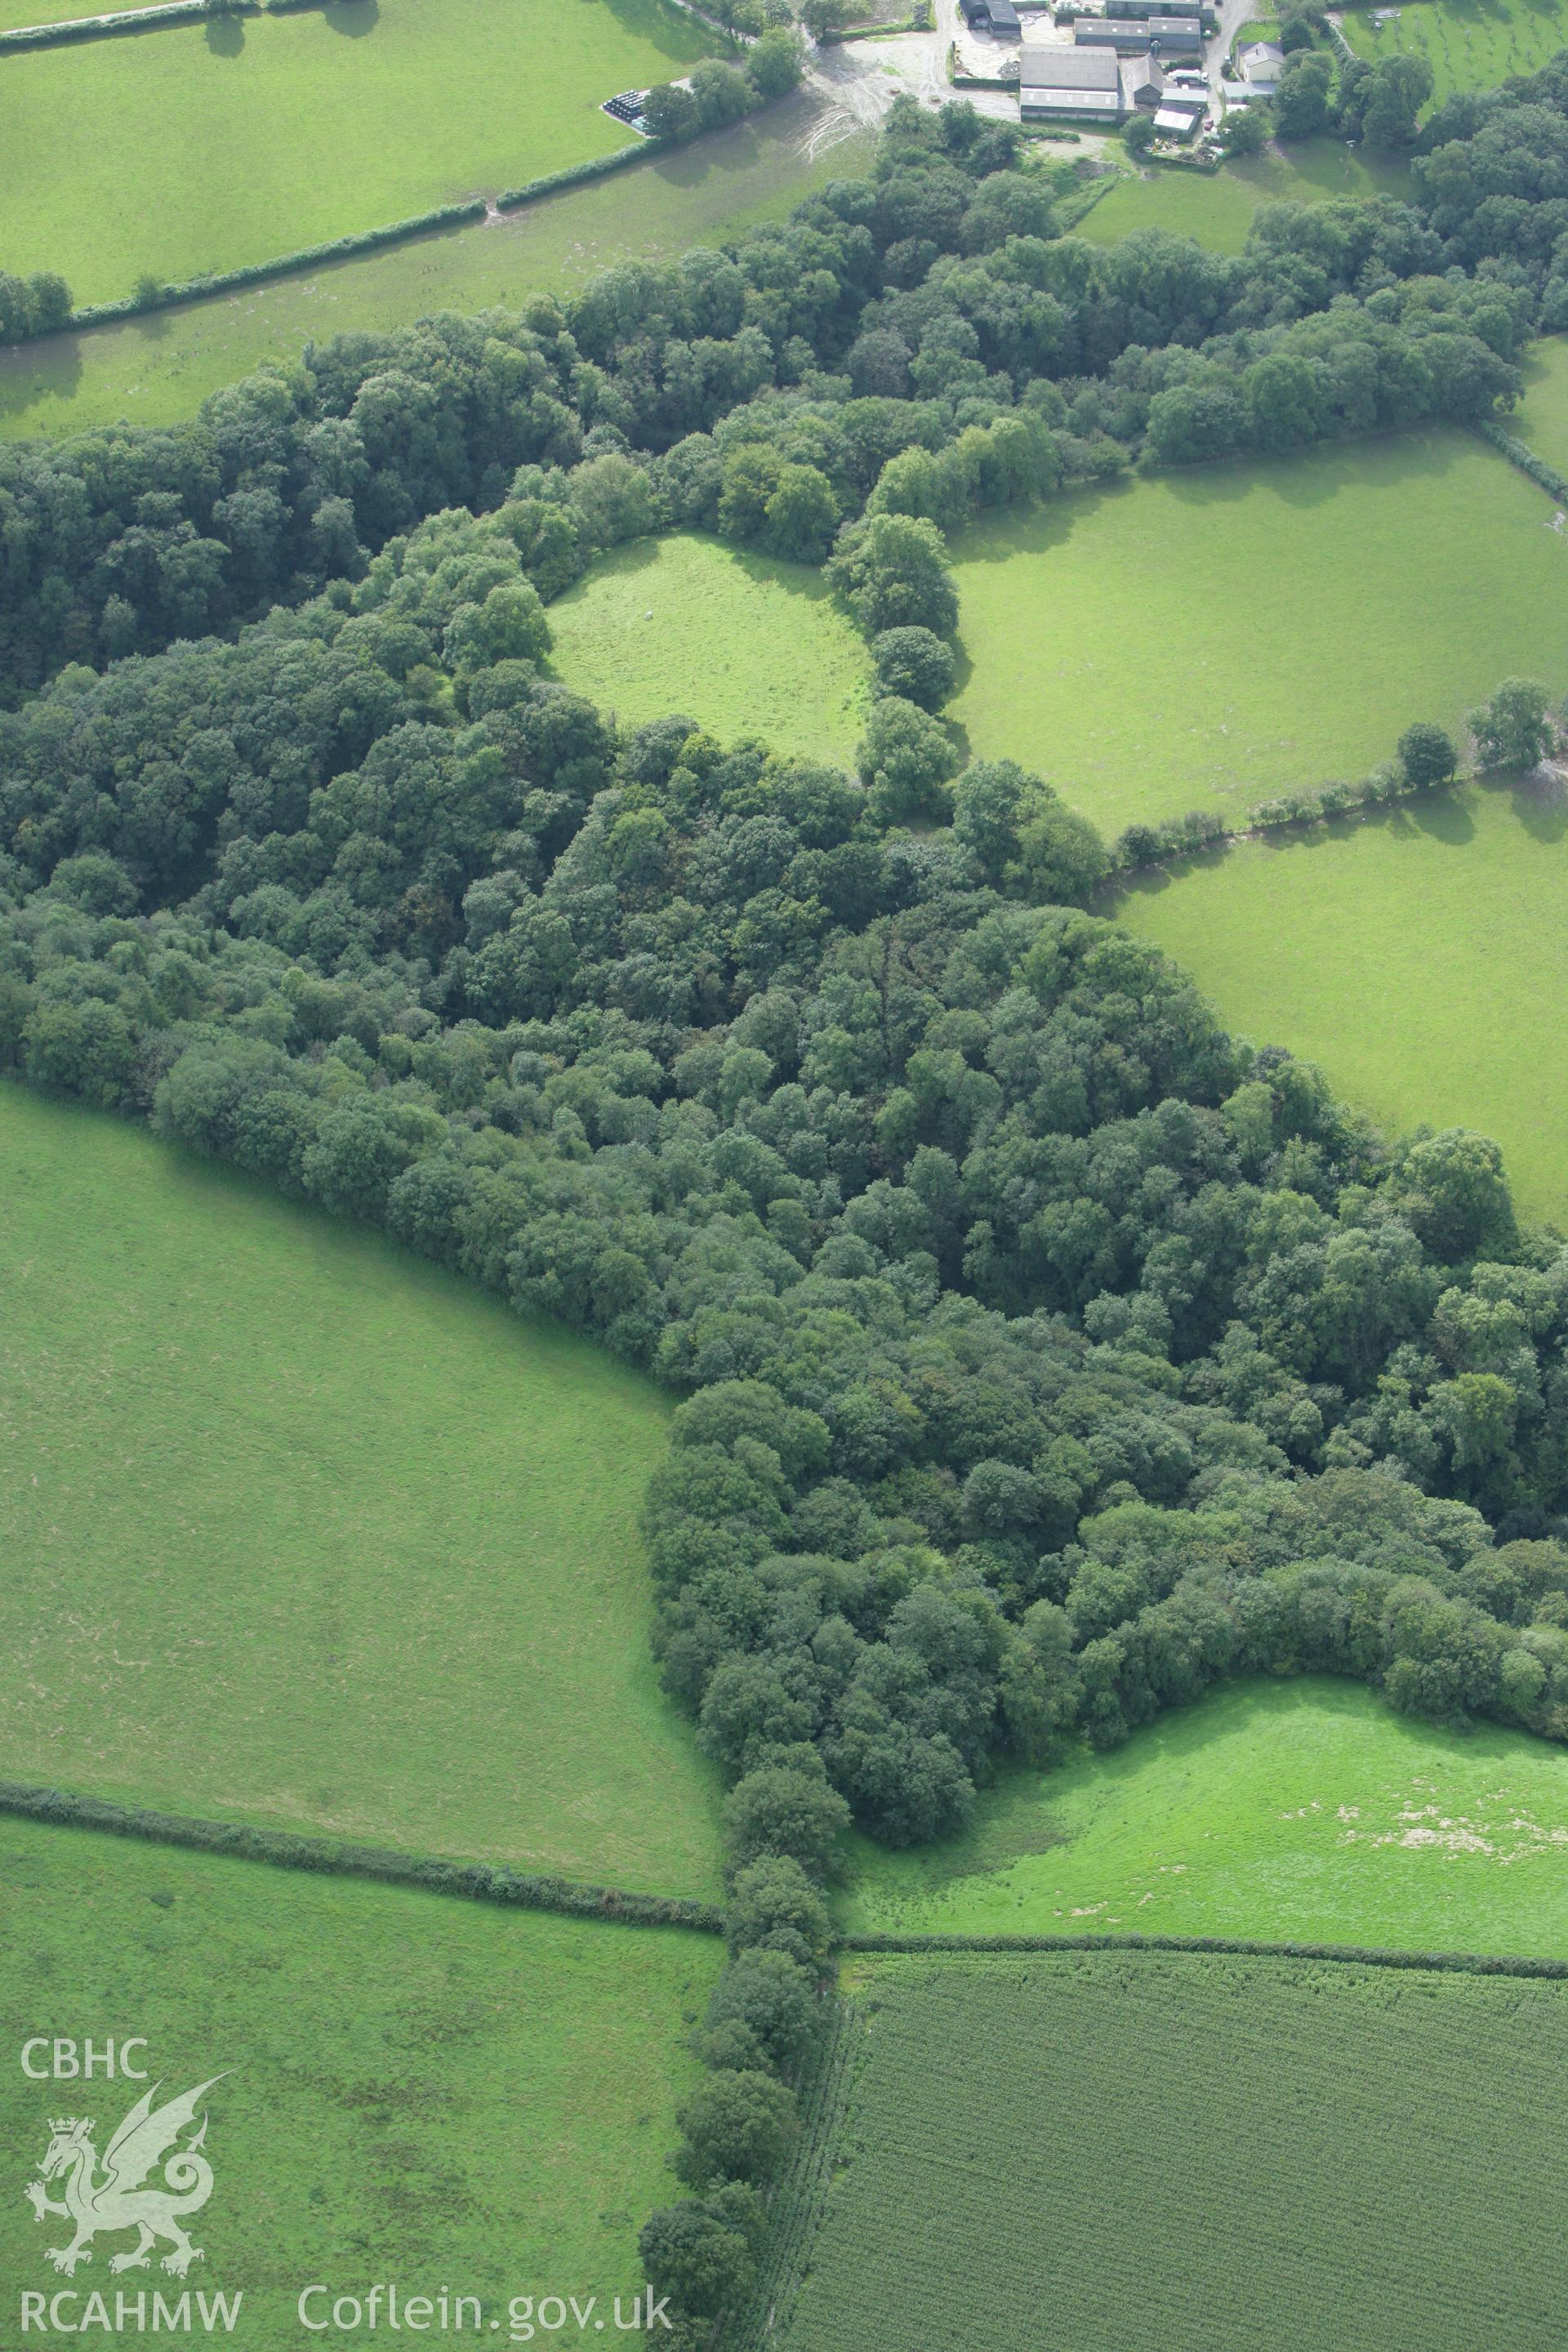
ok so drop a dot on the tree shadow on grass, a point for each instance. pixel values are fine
(353, 18)
(224, 35)
(1540, 802)
(52, 366)
(1440, 817)
(998, 536)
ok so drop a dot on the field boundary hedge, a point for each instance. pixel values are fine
(1519, 453)
(795, 2206)
(145, 20)
(255, 273)
(479, 1882)
(343, 248)
(1472, 1964)
(572, 175)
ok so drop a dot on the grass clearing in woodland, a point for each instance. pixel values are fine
(742, 644)
(1542, 417)
(1298, 1811)
(440, 2093)
(1142, 2153)
(1208, 638)
(299, 1531)
(1420, 955)
(1216, 208)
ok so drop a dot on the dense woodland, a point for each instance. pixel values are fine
(1047, 1354)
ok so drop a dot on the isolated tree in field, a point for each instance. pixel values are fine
(1302, 105)
(1428, 755)
(913, 664)
(1513, 730)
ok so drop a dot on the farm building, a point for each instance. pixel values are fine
(1262, 64)
(1179, 114)
(1162, 9)
(997, 17)
(1080, 85)
(1172, 36)
(1111, 33)
(1142, 83)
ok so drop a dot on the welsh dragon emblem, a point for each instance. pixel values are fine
(118, 2198)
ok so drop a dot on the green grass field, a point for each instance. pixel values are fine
(159, 368)
(299, 1531)
(438, 2092)
(1217, 209)
(14, 14)
(1146, 2153)
(1469, 43)
(746, 645)
(1541, 417)
(1304, 1812)
(306, 126)
(1207, 637)
(1420, 956)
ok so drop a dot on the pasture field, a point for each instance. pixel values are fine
(1210, 636)
(1420, 956)
(1217, 209)
(1469, 43)
(308, 126)
(157, 369)
(1303, 1811)
(440, 2093)
(1541, 417)
(739, 642)
(1140, 2153)
(301, 1532)
(14, 13)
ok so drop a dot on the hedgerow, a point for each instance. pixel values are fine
(1519, 453)
(480, 1882)
(254, 273)
(1472, 1964)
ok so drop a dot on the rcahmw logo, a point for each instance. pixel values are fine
(151, 2178)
